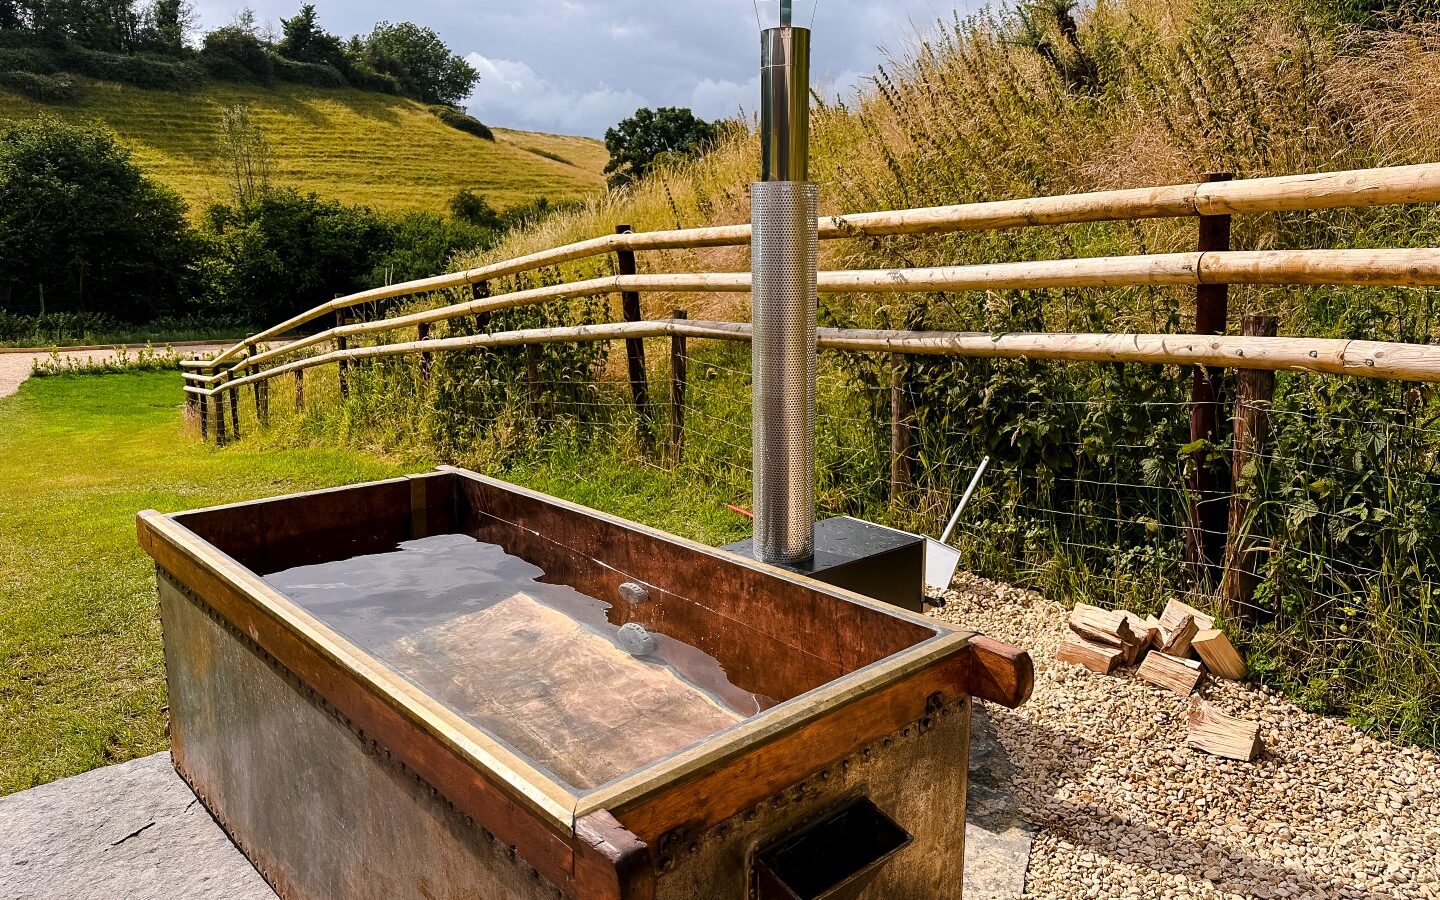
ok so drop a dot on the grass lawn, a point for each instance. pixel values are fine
(385, 152)
(81, 674)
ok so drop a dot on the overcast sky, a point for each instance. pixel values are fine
(579, 66)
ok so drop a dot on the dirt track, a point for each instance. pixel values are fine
(15, 367)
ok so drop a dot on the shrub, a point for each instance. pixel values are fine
(284, 251)
(52, 89)
(140, 71)
(236, 43)
(313, 74)
(27, 59)
(548, 155)
(226, 68)
(463, 121)
(367, 79)
(52, 329)
(468, 206)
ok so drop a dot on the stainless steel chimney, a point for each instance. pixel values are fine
(783, 253)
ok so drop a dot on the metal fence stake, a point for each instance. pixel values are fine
(678, 373)
(900, 482)
(532, 379)
(1254, 389)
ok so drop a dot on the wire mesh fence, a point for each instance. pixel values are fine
(1089, 496)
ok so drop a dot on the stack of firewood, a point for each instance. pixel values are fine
(1174, 652)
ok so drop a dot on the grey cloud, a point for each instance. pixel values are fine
(578, 66)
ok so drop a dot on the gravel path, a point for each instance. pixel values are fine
(15, 367)
(1127, 811)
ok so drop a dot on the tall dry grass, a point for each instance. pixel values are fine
(1087, 497)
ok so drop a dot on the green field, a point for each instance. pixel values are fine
(81, 676)
(388, 153)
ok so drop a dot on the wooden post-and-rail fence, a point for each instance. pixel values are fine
(1218, 547)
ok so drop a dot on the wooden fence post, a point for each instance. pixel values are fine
(1254, 389)
(203, 407)
(341, 344)
(299, 390)
(192, 401)
(1209, 483)
(634, 347)
(261, 388)
(900, 481)
(679, 370)
(219, 401)
(422, 333)
(532, 379)
(234, 406)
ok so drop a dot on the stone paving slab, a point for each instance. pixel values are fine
(132, 831)
(135, 831)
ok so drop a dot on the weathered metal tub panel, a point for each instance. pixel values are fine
(318, 807)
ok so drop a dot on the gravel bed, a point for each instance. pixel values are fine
(1126, 810)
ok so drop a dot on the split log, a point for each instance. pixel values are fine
(1103, 626)
(1214, 732)
(1147, 631)
(1219, 654)
(1100, 658)
(1175, 611)
(1176, 639)
(1176, 632)
(1171, 672)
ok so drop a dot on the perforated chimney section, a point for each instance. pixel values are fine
(784, 253)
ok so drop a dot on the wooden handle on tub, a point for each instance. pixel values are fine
(999, 672)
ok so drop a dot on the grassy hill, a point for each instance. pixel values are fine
(385, 152)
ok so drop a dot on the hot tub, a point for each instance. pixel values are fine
(445, 686)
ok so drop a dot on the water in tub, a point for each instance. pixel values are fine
(538, 665)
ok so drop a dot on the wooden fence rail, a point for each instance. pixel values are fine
(1417, 267)
(1367, 359)
(1330, 190)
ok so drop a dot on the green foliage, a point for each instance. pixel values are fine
(468, 206)
(306, 42)
(548, 155)
(144, 359)
(421, 245)
(53, 90)
(462, 120)
(247, 152)
(635, 143)
(82, 229)
(283, 251)
(234, 51)
(420, 61)
(165, 26)
(527, 215)
(314, 74)
(51, 329)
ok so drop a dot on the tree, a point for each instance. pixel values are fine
(416, 56)
(248, 153)
(82, 228)
(11, 17)
(305, 41)
(167, 23)
(637, 141)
